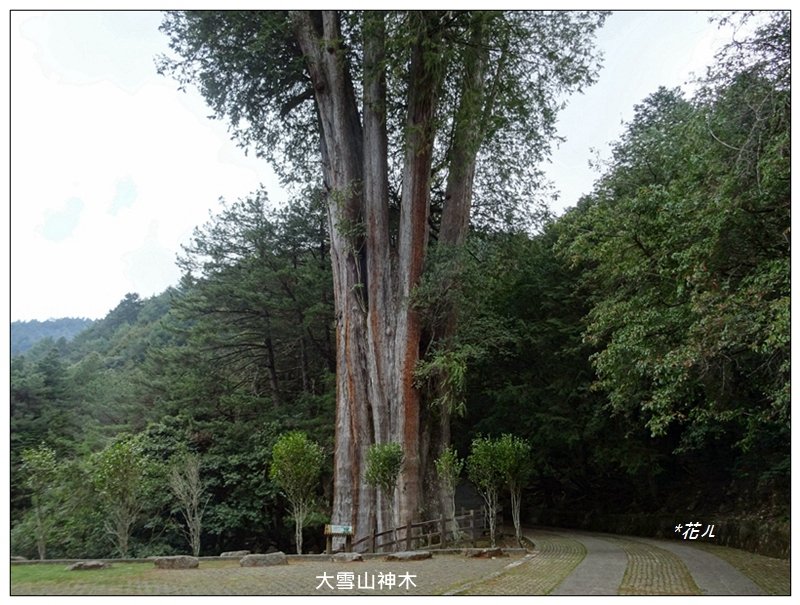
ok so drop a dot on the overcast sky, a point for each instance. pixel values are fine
(112, 167)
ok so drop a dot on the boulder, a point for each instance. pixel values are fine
(273, 558)
(235, 553)
(347, 557)
(88, 565)
(18, 558)
(486, 553)
(177, 562)
(409, 555)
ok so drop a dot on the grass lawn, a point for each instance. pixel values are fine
(120, 578)
(56, 573)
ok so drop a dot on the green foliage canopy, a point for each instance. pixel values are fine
(296, 466)
(121, 475)
(686, 246)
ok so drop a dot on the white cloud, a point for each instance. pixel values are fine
(151, 266)
(61, 223)
(141, 157)
(124, 196)
(643, 50)
(78, 47)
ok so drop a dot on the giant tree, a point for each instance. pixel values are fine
(401, 112)
(448, 472)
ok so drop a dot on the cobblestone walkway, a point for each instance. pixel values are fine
(600, 573)
(563, 562)
(554, 557)
(568, 562)
(712, 575)
(654, 571)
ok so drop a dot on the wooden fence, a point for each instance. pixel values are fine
(435, 533)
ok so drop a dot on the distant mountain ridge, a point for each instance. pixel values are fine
(25, 334)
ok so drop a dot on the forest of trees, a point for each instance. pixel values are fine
(25, 334)
(639, 343)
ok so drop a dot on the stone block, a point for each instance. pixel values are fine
(273, 558)
(409, 555)
(88, 565)
(177, 562)
(485, 553)
(235, 553)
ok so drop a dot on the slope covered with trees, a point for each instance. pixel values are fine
(25, 334)
(638, 345)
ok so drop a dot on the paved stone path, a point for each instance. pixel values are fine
(563, 562)
(654, 571)
(600, 572)
(713, 575)
(554, 557)
(579, 563)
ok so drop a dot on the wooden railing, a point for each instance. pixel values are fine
(435, 533)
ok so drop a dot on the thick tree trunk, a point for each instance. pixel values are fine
(378, 330)
(341, 148)
(379, 261)
(425, 78)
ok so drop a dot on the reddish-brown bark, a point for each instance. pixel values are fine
(378, 329)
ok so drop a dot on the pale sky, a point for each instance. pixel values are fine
(112, 167)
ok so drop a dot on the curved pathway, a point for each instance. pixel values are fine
(567, 562)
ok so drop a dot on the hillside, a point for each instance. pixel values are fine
(25, 334)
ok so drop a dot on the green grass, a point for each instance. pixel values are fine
(54, 573)
(120, 578)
